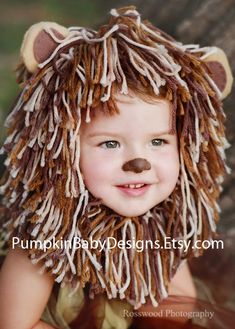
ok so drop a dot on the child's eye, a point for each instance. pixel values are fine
(157, 142)
(110, 144)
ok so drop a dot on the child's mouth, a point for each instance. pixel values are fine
(134, 189)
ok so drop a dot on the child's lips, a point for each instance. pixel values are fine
(137, 189)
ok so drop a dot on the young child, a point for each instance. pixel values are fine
(117, 135)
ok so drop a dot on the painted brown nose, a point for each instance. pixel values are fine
(136, 165)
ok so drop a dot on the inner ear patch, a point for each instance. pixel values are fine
(220, 70)
(218, 74)
(44, 45)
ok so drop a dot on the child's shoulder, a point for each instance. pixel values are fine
(182, 283)
(24, 289)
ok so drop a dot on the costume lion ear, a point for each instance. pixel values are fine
(220, 70)
(39, 42)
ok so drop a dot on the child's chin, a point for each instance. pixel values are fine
(132, 213)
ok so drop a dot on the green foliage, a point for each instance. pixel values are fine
(73, 12)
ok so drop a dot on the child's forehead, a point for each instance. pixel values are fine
(134, 112)
(135, 96)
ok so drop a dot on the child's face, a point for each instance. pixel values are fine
(141, 130)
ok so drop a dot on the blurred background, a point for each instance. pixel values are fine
(207, 22)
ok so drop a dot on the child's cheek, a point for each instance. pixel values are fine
(96, 167)
(167, 164)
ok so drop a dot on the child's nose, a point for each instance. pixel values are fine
(136, 165)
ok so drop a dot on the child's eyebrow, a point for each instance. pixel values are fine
(106, 133)
(103, 133)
